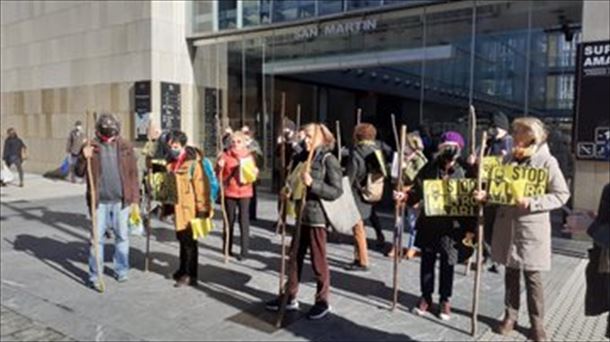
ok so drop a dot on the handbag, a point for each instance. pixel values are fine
(345, 205)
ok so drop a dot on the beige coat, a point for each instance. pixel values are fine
(522, 238)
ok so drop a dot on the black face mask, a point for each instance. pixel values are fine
(448, 154)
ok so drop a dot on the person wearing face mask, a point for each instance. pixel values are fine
(438, 237)
(522, 232)
(192, 201)
(74, 144)
(115, 175)
(237, 192)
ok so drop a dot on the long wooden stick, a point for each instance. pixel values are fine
(297, 233)
(93, 207)
(338, 128)
(480, 232)
(298, 117)
(395, 131)
(148, 191)
(399, 219)
(225, 218)
(282, 199)
(359, 116)
(472, 119)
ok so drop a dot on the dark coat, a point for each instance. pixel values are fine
(326, 174)
(13, 147)
(441, 233)
(597, 298)
(361, 163)
(128, 170)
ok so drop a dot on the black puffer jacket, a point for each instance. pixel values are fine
(441, 233)
(362, 161)
(326, 174)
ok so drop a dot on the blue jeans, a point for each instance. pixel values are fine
(113, 215)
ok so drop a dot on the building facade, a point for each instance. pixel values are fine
(206, 65)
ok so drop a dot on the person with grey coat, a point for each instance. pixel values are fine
(522, 233)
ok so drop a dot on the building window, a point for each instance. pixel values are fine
(227, 14)
(288, 10)
(355, 4)
(330, 6)
(251, 13)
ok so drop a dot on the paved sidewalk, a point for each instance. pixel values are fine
(44, 247)
(16, 327)
(38, 188)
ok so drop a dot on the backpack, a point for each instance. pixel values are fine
(208, 170)
(372, 191)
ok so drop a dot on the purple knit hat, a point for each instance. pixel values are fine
(453, 138)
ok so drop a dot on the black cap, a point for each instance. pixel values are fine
(500, 120)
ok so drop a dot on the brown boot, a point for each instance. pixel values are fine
(505, 327)
(537, 334)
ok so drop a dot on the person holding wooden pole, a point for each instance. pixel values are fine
(322, 178)
(438, 237)
(112, 192)
(522, 231)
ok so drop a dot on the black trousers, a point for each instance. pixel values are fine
(244, 222)
(376, 224)
(189, 253)
(18, 164)
(426, 274)
(253, 203)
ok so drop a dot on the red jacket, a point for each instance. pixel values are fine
(229, 175)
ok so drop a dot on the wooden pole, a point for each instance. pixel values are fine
(338, 128)
(282, 199)
(298, 116)
(480, 232)
(359, 116)
(395, 131)
(399, 216)
(93, 207)
(297, 233)
(472, 120)
(148, 192)
(222, 191)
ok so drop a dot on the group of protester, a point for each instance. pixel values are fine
(521, 239)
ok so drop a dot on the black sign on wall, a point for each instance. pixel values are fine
(592, 110)
(142, 109)
(170, 105)
(210, 112)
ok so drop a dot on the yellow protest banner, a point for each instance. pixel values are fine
(490, 162)
(452, 197)
(509, 183)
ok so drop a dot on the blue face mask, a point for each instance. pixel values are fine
(176, 152)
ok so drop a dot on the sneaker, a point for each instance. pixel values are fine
(493, 268)
(274, 305)
(445, 313)
(97, 286)
(318, 311)
(422, 308)
(177, 275)
(355, 266)
(183, 281)
(122, 278)
(505, 327)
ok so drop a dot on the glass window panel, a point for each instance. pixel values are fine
(355, 4)
(227, 14)
(251, 13)
(330, 6)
